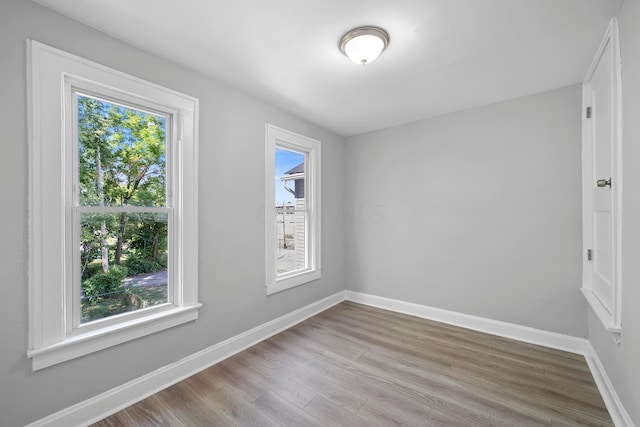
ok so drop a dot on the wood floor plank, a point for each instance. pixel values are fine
(454, 397)
(239, 411)
(144, 414)
(189, 405)
(363, 366)
(229, 373)
(332, 414)
(377, 389)
(285, 413)
(479, 367)
(312, 377)
(281, 383)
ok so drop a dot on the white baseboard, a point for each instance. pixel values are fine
(109, 402)
(619, 415)
(571, 344)
(481, 324)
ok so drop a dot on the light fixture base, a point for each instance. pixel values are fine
(362, 33)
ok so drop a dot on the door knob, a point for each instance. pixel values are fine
(604, 182)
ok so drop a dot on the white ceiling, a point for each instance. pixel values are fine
(443, 56)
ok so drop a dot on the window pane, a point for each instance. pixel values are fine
(123, 262)
(290, 211)
(121, 155)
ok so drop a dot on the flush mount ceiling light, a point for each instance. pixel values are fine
(364, 44)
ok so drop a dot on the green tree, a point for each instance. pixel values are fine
(122, 161)
(93, 130)
(140, 149)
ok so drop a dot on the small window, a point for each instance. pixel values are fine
(113, 209)
(293, 216)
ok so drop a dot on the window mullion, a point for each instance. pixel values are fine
(72, 287)
(75, 287)
(120, 209)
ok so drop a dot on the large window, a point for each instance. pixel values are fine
(293, 214)
(113, 213)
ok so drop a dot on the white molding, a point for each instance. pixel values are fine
(618, 413)
(476, 323)
(294, 280)
(615, 332)
(118, 398)
(111, 401)
(99, 339)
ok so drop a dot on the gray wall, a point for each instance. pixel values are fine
(622, 362)
(232, 254)
(476, 212)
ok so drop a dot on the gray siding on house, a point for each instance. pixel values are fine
(299, 189)
(300, 234)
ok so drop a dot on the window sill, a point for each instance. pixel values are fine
(89, 342)
(603, 315)
(289, 282)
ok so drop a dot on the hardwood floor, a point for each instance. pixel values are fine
(355, 365)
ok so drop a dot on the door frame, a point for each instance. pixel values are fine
(612, 321)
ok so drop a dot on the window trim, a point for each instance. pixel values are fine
(278, 137)
(51, 73)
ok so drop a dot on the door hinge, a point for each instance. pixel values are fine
(589, 254)
(588, 112)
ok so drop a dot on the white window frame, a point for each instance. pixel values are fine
(281, 138)
(55, 334)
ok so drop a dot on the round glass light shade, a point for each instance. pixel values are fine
(363, 45)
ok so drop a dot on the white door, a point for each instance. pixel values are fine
(602, 181)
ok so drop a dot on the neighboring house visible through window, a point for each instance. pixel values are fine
(293, 216)
(292, 254)
(113, 209)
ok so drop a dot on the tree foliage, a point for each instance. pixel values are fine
(121, 162)
(104, 285)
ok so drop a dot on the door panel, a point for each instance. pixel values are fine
(602, 182)
(602, 198)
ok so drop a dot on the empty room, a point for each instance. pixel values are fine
(292, 213)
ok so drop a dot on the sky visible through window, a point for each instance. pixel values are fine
(285, 160)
